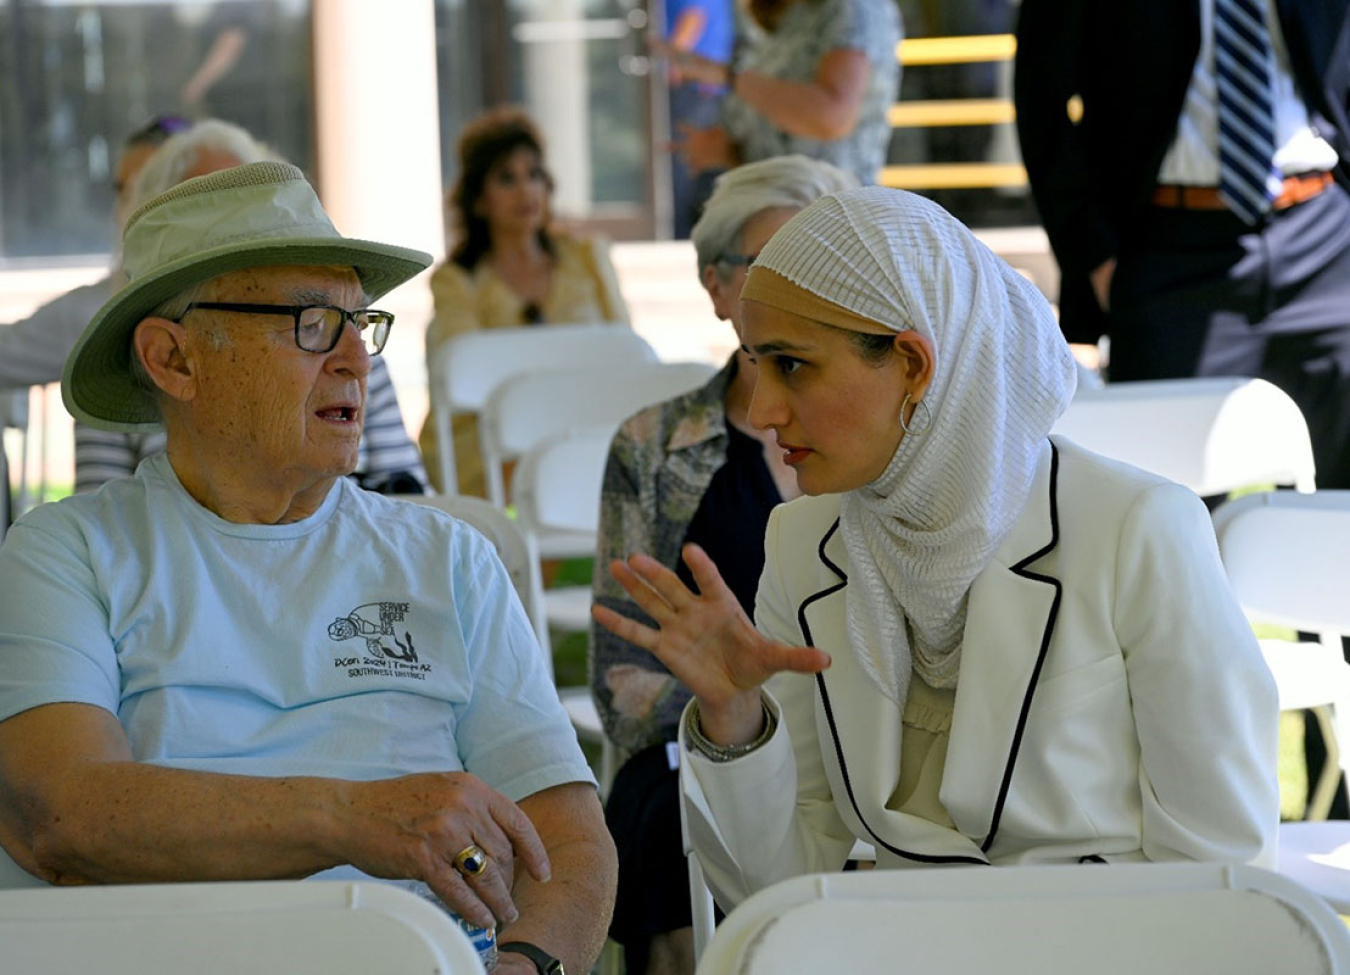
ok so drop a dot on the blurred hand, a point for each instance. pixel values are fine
(686, 66)
(414, 826)
(706, 640)
(704, 149)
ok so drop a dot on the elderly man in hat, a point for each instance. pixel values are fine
(235, 664)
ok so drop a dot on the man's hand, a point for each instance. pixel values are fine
(414, 826)
(1101, 282)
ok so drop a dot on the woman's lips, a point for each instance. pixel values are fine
(793, 455)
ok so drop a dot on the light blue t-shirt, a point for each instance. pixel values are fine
(375, 638)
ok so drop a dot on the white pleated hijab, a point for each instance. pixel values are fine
(919, 535)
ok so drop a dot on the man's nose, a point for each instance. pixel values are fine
(350, 354)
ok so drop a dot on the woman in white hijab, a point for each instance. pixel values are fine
(973, 642)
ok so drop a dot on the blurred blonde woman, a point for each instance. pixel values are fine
(508, 267)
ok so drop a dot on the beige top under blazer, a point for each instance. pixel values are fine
(1112, 703)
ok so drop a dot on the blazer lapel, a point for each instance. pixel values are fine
(859, 730)
(1009, 623)
(1010, 620)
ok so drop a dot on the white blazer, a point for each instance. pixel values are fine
(1112, 702)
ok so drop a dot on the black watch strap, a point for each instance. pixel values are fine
(546, 963)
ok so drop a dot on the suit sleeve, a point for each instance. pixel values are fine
(769, 815)
(1204, 702)
(1052, 51)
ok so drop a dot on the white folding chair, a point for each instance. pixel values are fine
(1212, 435)
(556, 488)
(531, 407)
(467, 367)
(1285, 558)
(1034, 920)
(296, 927)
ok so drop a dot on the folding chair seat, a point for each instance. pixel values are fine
(296, 927)
(1034, 920)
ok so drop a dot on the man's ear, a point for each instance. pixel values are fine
(916, 360)
(713, 284)
(160, 344)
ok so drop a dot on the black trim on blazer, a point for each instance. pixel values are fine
(1021, 570)
(834, 731)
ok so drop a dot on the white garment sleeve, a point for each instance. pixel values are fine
(1205, 705)
(769, 815)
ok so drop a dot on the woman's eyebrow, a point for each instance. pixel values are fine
(770, 348)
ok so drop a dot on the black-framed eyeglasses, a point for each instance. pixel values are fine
(318, 328)
(737, 260)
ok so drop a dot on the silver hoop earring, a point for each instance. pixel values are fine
(920, 421)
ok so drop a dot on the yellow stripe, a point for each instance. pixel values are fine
(958, 111)
(956, 50)
(953, 176)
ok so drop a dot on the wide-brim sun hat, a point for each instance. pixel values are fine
(258, 215)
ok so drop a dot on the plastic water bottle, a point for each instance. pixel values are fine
(484, 940)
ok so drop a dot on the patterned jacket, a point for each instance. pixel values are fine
(660, 465)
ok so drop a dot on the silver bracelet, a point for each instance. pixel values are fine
(726, 753)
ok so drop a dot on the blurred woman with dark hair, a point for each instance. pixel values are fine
(508, 266)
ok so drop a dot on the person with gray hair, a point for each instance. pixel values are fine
(689, 469)
(388, 459)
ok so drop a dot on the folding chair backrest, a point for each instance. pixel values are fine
(1046, 920)
(466, 368)
(531, 407)
(298, 927)
(1286, 557)
(1213, 435)
(556, 486)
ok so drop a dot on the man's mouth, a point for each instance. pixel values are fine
(338, 414)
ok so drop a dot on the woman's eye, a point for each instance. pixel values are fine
(787, 365)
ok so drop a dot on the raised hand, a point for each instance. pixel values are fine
(413, 827)
(706, 640)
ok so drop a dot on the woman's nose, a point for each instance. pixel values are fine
(766, 406)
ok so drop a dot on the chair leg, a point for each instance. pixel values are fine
(1323, 794)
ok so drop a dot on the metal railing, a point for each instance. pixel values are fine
(923, 51)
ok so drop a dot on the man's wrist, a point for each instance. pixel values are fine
(543, 962)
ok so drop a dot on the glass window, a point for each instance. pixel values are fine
(77, 78)
(579, 68)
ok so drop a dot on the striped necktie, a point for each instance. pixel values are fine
(1243, 64)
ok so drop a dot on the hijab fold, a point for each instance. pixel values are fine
(919, 535)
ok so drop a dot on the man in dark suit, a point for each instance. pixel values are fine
(1130, 149)
(1121, 114)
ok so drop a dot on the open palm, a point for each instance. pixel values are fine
(705, 639)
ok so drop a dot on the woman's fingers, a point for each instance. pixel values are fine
(663, 582)
(624, 628)
(704, 570)
(642, 592)
(777, 657)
